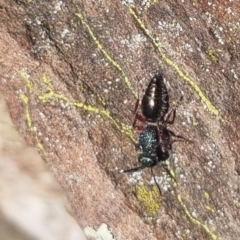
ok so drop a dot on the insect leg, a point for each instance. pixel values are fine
(159, 189)
(180, 138)
(170, 116)
(136, 115)
(134, 169)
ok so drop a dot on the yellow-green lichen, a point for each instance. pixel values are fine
(210, 209)
(39, 146)
(194, 220)
(206, 195)
(27, 116)
(194, 123)
(170, 172)
(212, 55)
(25, 77)
(149, 199)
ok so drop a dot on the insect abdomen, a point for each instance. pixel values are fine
(155, 100)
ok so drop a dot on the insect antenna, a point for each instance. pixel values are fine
(159, 189)
(133, 169)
